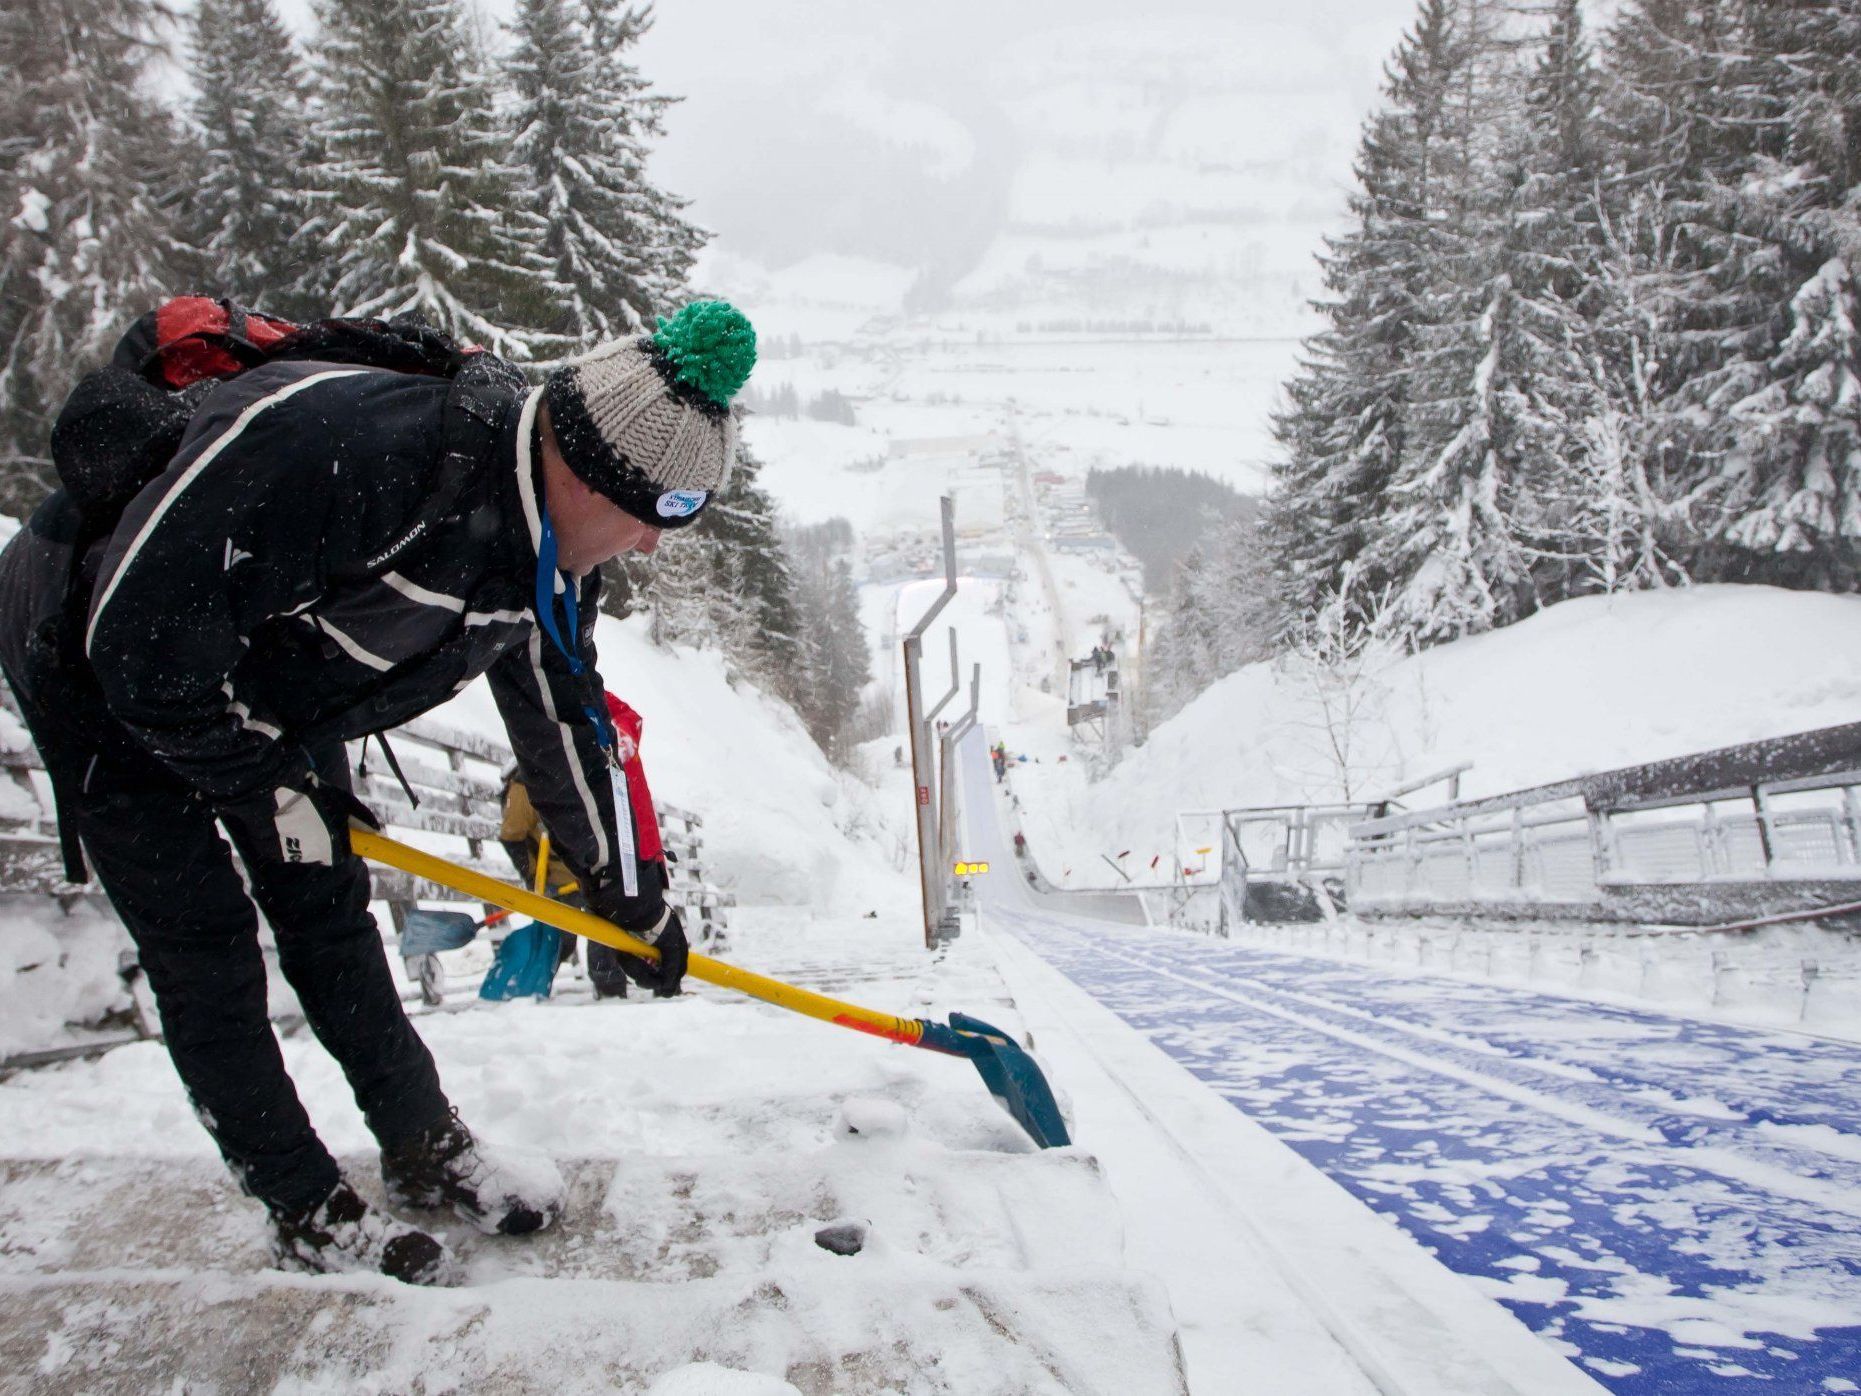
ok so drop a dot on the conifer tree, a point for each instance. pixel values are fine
(669, 241)
(254, 123)
(1347, 426)
(835, 657)
(1587, 512)
(1454, 535)
(1692, 117)
(417, 206)
(754, 580)
(1221, 614)
(620, 246)
(90, 184)
(1793, 506)
(725, 582)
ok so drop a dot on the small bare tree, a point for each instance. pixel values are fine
(1337, 659)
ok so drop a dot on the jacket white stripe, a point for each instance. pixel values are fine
(629, 853)
(496, 618)
(527, 494)
(351, 648)
(526, 482)
(603, 854)
(188, 476)
(413, 591)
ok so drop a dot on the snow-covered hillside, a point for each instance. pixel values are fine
(781, 825)
(1587, 685)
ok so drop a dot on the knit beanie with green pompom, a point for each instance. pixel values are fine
(647, 422)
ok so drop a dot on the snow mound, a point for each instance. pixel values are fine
(58, 971)
(781, 825)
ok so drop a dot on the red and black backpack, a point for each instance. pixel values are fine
(122, 424)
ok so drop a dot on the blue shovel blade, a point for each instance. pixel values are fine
(525, 965)
(1015, 1080)
(429, 932)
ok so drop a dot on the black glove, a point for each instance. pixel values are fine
(305, 821)
(647, 917)
(667, 977)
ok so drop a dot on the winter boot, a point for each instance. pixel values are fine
(342, 1234)
(498, 1194)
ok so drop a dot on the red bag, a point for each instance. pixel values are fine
(627, 727)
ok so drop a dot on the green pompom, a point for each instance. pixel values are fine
(711, 345)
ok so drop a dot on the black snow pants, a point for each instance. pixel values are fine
(156, 850)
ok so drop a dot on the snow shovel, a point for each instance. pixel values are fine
(429, 932)
(524, 966)
(1012, 1076)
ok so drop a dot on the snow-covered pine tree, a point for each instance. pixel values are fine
(254, 124)
(1816, 43)
(1692, 116)
(1451, 540)
(754, 577)
(417, 205)
(1587, 508)
(725, 582)
(620, 246)
(1794, 508)
(1222, 613)
(1346, 425)
(834, 651)
(669, 241)
(1552, 245)
(91, 174)
(1176, 665)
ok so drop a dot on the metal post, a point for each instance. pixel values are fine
(950, 740)
(1603, 851)
(931, 882)
(942, 792)
(1851, 803)
(956, 680)
(1762, 810)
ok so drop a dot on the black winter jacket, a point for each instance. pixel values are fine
(236, 616)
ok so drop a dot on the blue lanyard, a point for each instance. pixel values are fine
(550, 601)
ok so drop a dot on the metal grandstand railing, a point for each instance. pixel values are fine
(1696, 839)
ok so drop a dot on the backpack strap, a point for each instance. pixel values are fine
(70, 847)
(474, 417)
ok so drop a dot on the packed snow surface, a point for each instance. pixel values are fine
(706, 1140)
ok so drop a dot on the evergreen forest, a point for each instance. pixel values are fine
(1590, 327)
(393, 162)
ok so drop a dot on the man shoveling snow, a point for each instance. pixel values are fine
(332, 549)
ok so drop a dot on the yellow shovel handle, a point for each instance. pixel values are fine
(394, 854)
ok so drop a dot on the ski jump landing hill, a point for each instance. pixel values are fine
(1279, 1279)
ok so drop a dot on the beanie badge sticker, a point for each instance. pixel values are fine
(681, 504)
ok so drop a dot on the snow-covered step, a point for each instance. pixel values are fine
(824, 1324)
(653, 1220)
(124, 1273)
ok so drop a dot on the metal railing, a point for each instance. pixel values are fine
(1285, 862)
(1506, 850)
(1761, 819)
